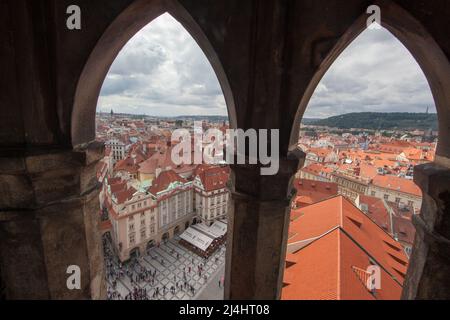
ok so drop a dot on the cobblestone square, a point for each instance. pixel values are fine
(163, 274)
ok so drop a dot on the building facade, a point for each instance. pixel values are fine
(118, 149)
(211, 193)
(142, 217)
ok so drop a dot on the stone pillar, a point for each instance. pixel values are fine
(429, 268)
(258, 222)
(49, 221)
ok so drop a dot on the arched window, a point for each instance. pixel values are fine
(371, 119)
(160, 81)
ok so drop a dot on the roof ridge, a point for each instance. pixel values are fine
(313, 239)
(370, 219)
(339, 260)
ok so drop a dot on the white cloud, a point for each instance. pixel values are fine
(163, 72)
(376, 73)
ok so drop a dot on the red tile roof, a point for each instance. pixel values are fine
(161, 159)
(213, 177)
(377, 212)
(330, 269)
(397, 184)
(129, 164)
(332, 237)
(125, 195)
(120, 190)
(163, 181)
(317, 169)
(310, 191)
(321, 152)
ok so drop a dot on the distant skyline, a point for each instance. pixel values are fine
(163, 72)
(375, 73)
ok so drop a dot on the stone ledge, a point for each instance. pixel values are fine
(432, 178)
(9, 214)
(40, 179)
(38, 160)
(429, 262)
(431, 235)
(237, 196)
(247, 179)
(434, 181)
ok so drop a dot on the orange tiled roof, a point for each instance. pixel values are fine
(213, 177)
(325, 270)
(310, 191)
(394, 146)
(397, 184)
(129, 164)
(120, 190)
(125, 195)
(161, 159)
(413, 154)
(317, 169)
(330, 238)
(377, 211)
(321, 152)
(163, 181)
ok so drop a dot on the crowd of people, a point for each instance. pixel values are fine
(137, 275)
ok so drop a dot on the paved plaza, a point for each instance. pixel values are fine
(167, 272)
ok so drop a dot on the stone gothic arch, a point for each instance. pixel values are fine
(271, 53)
(423, 48)
(428, 267)
(130, 21)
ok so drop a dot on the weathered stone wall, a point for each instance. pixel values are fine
(48, 222)
(268, 54)
(429, 271)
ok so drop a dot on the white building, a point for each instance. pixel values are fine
(211, 193)
(118, 148)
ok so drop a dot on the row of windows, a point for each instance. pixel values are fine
(216, 212)
(353, 186)
(139, 205)
(131, 221)
(143, 234)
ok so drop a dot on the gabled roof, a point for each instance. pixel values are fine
(120, 190)
(129, 164)
(161, 159)
(413, 154)
(331, 237)
(164, 180)
(213, 177)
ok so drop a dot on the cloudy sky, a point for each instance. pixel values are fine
(163, 72)
(376, 73)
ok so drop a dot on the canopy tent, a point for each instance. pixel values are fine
(218, 228)
(204, 229)
(197, 238)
